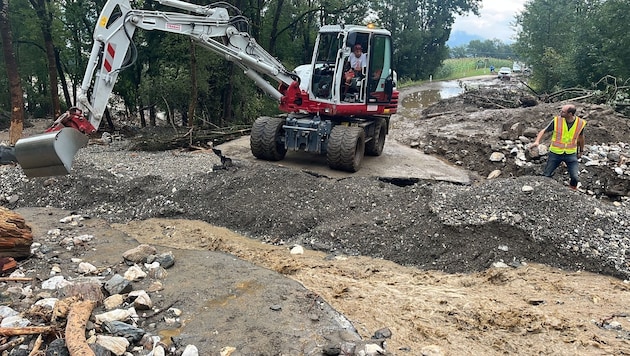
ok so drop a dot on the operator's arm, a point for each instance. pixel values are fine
(541, 134)
(580, 142)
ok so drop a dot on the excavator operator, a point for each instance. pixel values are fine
(353, 69)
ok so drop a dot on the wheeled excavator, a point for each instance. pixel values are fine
(326, 112)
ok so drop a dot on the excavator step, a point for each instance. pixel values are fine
(49, 154)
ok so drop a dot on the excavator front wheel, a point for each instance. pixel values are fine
(346, 148)
(267, 139)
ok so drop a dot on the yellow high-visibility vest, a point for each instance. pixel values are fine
(564, 140)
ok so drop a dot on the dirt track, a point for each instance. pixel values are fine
(429, 228)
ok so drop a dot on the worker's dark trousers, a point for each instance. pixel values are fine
(571, 160)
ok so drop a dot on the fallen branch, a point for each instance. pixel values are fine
(27, 330)
(11, 344)
(429, 116)
(161, 310)
(75, 328)
(528, 87)
(16, 279)
(36, 346)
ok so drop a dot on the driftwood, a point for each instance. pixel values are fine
(189, 138)
(436, 114)
(75, 328)
(11, 344)
(27, 330)
(16, 279)
(494, 99)
(15, 235)
(36, 346)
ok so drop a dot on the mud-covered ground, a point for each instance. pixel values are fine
(518, 264)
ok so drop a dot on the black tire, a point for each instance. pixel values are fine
(374, 147)
(267, 139)
(346, 147)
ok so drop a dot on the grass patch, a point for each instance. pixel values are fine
(457, 68)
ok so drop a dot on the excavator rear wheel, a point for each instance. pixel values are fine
(346, 148)
(374, 147)
(267, 139)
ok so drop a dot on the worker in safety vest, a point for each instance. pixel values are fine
(567, 143)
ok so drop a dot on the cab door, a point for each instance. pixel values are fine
(380, 73)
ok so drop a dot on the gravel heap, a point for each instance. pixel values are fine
(428, 224)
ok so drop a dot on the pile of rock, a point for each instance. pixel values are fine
(614, 157)
(108, 308)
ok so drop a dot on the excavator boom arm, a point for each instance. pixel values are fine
(114, 50)
(215, 30)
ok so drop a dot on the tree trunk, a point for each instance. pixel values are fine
(143, 119)
(227, 96)
(152, 115)
(274, 27)
(17, 97)
(64, 84)
(15, 236)
(45, 19)
(192, 104)
(108, 117)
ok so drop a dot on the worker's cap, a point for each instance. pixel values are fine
(357, 46)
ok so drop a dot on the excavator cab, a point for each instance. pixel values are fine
(333, 78)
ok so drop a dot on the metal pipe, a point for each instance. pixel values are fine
(204, 10)
(263, 84)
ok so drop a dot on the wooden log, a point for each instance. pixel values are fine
(15, 235)
(75, 328)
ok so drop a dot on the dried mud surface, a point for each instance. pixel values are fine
(488, 268)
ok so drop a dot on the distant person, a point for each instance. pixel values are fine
(491, 69)
(567, 143)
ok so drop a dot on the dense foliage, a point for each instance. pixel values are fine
(577, 43)
(56, 37)
(483, 49)
(455, 68)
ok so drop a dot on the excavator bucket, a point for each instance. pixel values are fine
(49, 154)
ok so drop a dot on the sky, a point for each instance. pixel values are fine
(493, 22)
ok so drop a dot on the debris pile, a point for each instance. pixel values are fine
(112, 310)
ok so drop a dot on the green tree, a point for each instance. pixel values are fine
(44, 15)
(205, 87)
(458, 51)
(420, 29)
(604, 43)
(490, 48)
(76, 21)
(588, 43)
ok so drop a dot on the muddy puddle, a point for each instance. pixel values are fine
(433, 92)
